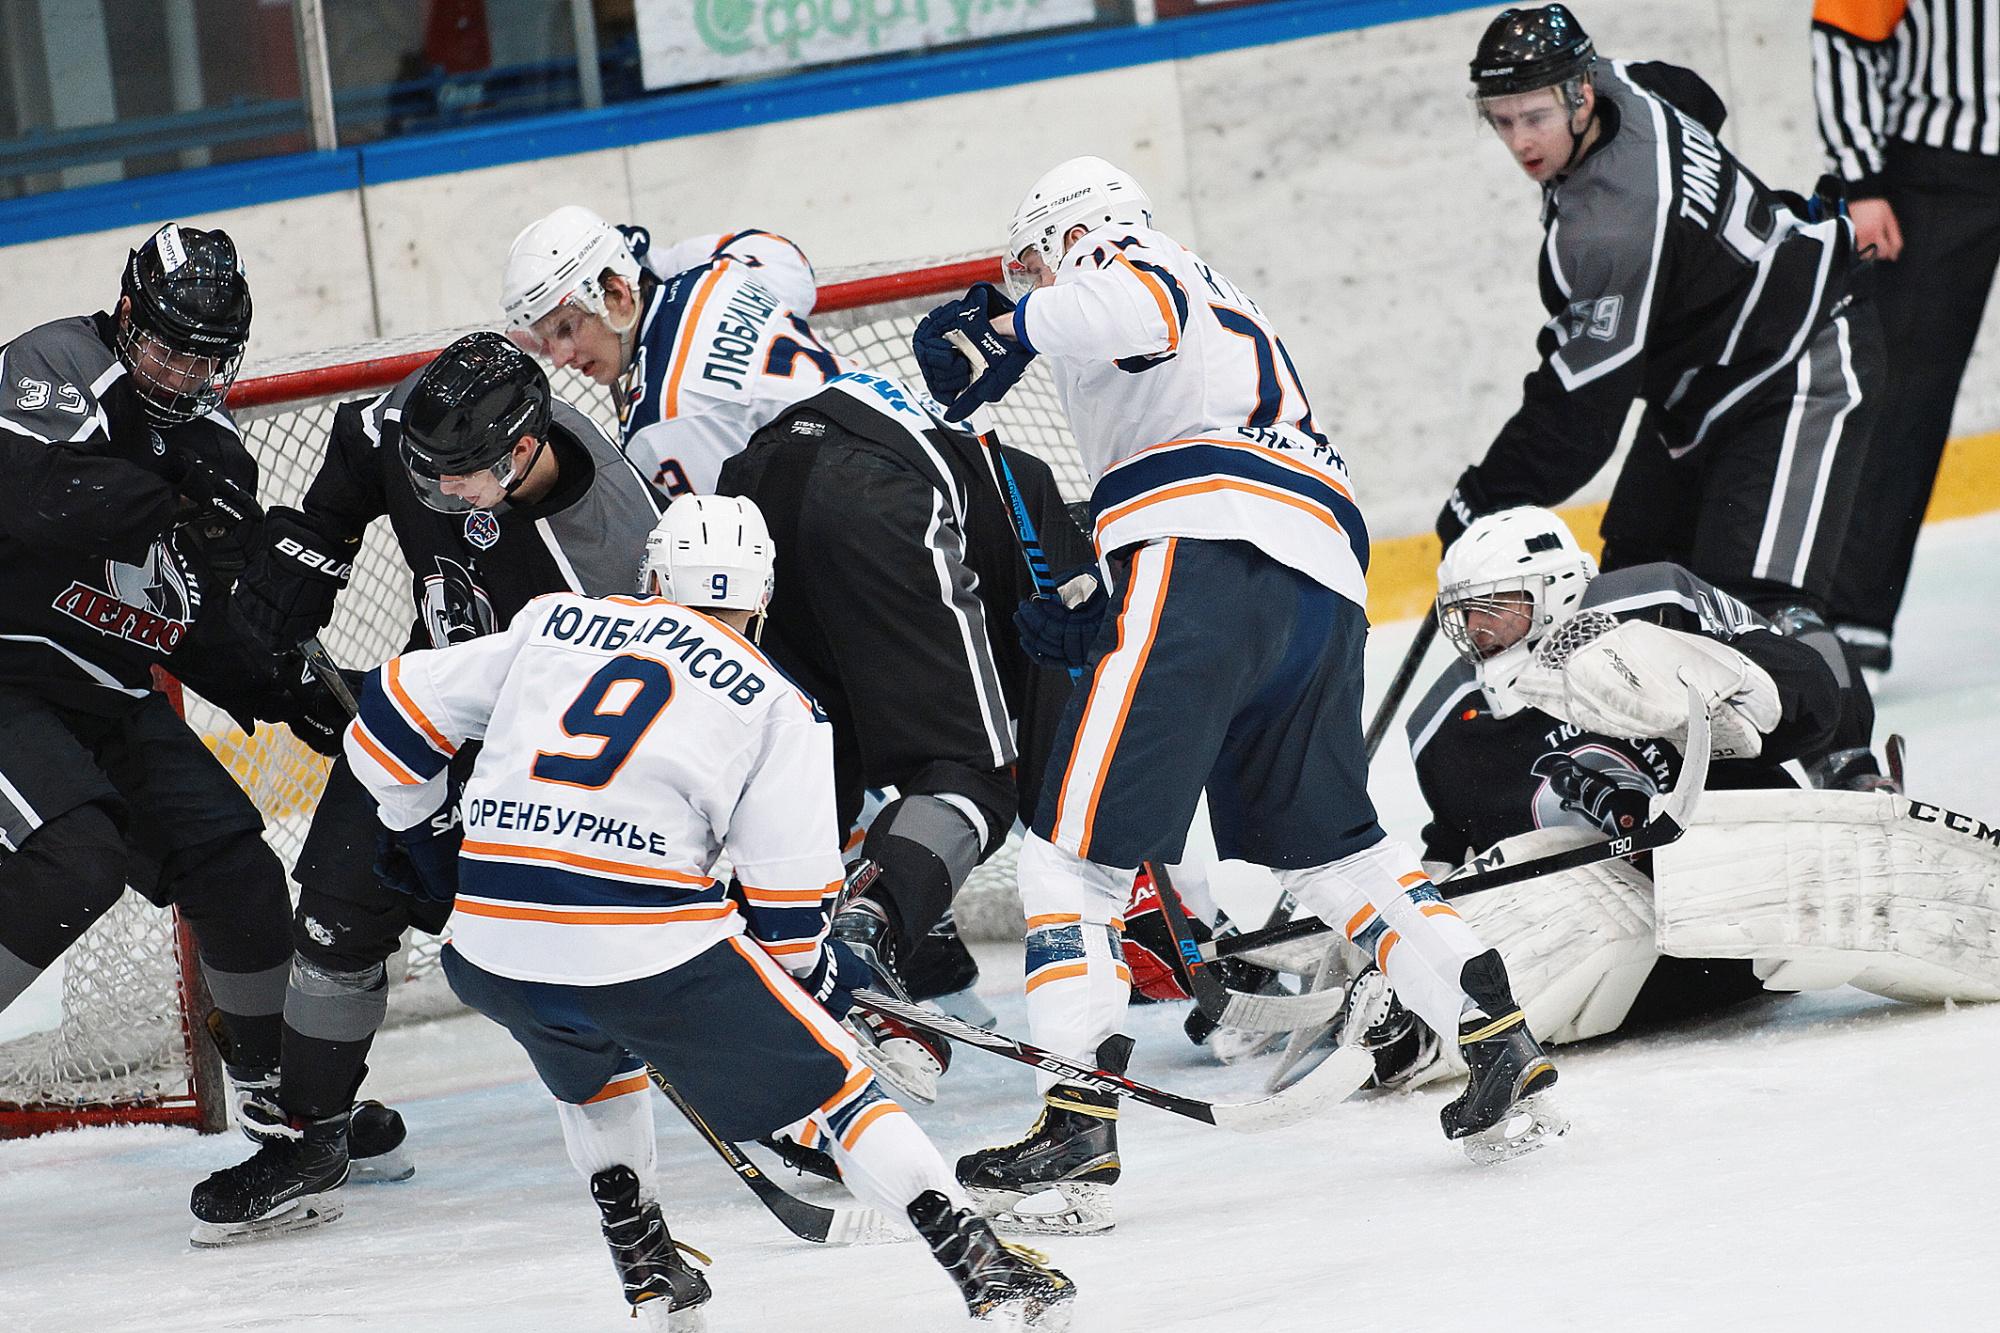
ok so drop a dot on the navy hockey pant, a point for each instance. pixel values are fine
(1227, 671)
(728, 1028)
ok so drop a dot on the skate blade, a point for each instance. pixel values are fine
(1025, 1315)
(399, 1163)
(1071, 1209)
(654, 1317)
(302, 1214)
(1531, 1124)
(912, 1078)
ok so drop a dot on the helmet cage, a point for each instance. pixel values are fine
(174, 385)
(184, 322)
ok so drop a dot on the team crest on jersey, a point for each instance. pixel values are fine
(150, 604)
(482, 529)
(455, 607)
(1549, 809)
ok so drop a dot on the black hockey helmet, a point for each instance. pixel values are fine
(467, 411)
(186, 321)
(1526, 49)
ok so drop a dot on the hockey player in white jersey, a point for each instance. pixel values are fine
(707, 338)
(627, 743)
(1225, 654)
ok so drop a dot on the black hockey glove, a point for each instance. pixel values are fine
(313, 711)
(965, 363)
(1613, 807)
(287, 589)
(422, 860)
(836, 974)
(223, 515)
(1057, 634)
(1468, 501)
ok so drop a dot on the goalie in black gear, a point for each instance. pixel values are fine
(131, 504)
(497, 493)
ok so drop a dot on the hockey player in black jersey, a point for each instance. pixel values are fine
(1677, 278)
(131, 507)
(497, 492)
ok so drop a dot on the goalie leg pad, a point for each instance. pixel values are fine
(1385, 903)
(1901, 897)
(1078, 983)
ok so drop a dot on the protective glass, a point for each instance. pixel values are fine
(174, 386)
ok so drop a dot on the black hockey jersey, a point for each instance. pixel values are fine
(1478, 772)
(1671, 274)
(470, 572)
(98, 585)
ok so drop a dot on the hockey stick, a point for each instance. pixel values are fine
(807, 1221)
(1344, 1071)
(322, 665)
(1666, 826)
(1399, 684)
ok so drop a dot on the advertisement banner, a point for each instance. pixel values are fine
(694, 41)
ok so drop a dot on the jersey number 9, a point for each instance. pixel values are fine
(618, 729)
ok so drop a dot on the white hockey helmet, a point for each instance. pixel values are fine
(711, 552)
(1517, 563)
(1085, 191)
(562, 257)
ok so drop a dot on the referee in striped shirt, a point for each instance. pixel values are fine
(1908, 95)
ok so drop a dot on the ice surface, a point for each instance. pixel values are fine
(1815, 1162)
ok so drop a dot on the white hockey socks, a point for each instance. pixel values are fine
(614, 1128)
(886, 1160)
(1077, 981)
(1382, 900)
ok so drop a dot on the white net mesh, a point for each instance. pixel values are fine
(120, 1039)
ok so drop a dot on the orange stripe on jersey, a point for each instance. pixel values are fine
(1358, 920)
(1382, 947)
(1183, 491)
(1052, 919)
(670, 406)
(846, 1062)
(392, 676)
(757, 895)
(1414, 877)
(796, 946)
(855, 1083)
(516, 851)
(865, 1119)
(1439, 909)
(1870, 20)
(620, 1087)
(1060, 972)
(381, 755)
(568, 916)
(1278, 456)
(1160, 298)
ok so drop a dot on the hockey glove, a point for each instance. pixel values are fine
(1149, 946)
(835, 976)
(422, 860)
(1058, 631)
(1611, 805)
(287, 589)
(965, 362)
(316, 714)
(222, 514)
(1468, 500)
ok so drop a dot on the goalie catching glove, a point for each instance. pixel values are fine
(1627, 682)
(965, 362)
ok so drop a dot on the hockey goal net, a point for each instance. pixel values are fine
(118, 1036)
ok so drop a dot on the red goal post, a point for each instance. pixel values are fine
(128, 1044)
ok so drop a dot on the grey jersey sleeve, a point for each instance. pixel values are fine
(599, 540)
(1670, 596)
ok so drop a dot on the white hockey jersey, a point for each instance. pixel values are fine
(723, 348)
(1188, 411)
(627, 742)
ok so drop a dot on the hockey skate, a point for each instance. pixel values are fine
(377, 1140)
(1504, 1111)
(806, 1161)
(289, 1184)
(909, 1061)
(1068, 1160)
(665, 1291)
(1007, 1286)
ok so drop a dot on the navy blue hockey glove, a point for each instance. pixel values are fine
(836, 976)
(422, 860)
(964, 362)
(1615, 808)
(1057, 634)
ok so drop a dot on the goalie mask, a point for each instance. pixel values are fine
(561, 260)
(1084, 191)
(1501, 588)
(712, 553)
(183, 323)
(464, 417)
